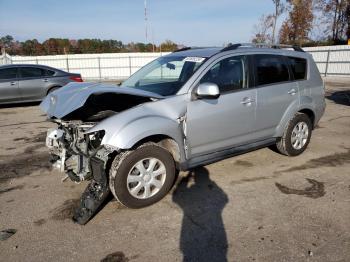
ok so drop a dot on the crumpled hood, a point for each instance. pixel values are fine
(74, 95)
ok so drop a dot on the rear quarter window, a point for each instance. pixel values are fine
(271, 69)
(49, 72)
(299, 67)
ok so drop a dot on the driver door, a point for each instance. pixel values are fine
(225, 122)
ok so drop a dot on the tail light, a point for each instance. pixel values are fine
(76, 78)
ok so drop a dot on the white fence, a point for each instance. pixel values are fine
(111, 66)
(331, 60)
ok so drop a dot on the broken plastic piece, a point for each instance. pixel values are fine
(95, 194)
(7, 233)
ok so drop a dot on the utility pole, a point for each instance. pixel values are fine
(146, 22)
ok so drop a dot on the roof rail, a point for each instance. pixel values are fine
(230, 47)
(182, 49)
(190, 48)
(275, 46)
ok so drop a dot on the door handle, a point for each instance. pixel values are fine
(45, 80)
(13, 83)
(247, 101)
(292, 92)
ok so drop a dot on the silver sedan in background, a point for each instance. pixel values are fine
(30, 83)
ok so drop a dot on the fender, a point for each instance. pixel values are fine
(305, 102)
(144, 127)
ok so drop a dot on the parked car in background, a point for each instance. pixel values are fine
(30, 83)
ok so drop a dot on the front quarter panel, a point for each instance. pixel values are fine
(127, 128)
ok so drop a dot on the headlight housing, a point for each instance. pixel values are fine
(95, 139)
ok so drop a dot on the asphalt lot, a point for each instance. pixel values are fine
(260, 206)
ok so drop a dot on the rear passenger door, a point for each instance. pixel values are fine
(276, 92)
(9, 91)
(32, 83)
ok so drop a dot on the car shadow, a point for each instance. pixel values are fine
(203, 236)
(340, 97)
(26, 104)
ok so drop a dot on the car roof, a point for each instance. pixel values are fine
(30, 65)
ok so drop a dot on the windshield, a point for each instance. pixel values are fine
(165, 75)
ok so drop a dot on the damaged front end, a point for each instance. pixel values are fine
(75, 149)
(81, 157)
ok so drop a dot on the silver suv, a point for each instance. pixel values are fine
(189, 108)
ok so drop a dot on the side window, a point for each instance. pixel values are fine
(32, 72)
(49, 72)
(8, 73)
(299, 67)
(229, 74)
(271, 69)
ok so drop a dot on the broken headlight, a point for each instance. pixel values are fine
(95, 139)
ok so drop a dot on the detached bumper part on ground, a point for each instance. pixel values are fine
(94, 195)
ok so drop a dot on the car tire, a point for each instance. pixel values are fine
(142, 177)
(296, 136)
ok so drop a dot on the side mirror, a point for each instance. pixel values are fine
(208, 91)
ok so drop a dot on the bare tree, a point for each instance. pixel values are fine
(336, 17)
(263, 30)
(279, 9)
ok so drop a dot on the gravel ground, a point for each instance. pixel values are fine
(260, 206)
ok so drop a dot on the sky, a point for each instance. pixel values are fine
(187, 22)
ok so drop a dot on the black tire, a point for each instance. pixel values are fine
(284, 144)
(125, 161)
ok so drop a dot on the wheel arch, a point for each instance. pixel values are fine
(164, 141)
(310, 113)
(50, 88)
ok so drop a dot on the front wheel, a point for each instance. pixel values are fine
(296, 136)
(142, 177)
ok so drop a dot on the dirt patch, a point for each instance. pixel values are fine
(66, 210)
(39, 222)
(11, 189)
(115, 257)
(23, 165)
(243, 163)
(316, 190)
(31, 149)
(39, 138)
(8, 113)
(333, 160)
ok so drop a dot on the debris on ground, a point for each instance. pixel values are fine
(7, 233)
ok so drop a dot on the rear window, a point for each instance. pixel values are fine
(299, 67)
(8, 73)
(271, 69)
(32, 72)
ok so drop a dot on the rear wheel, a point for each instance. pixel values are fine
(143, 176)
(296, 136)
